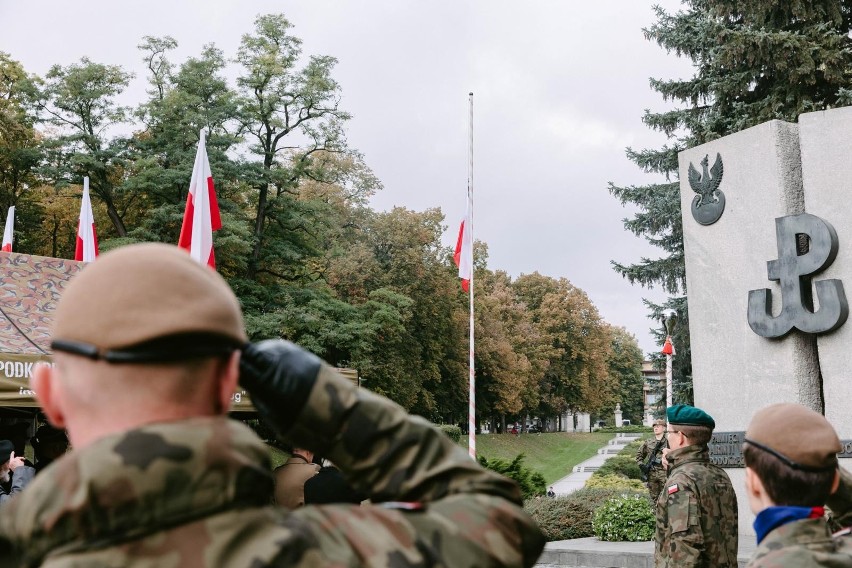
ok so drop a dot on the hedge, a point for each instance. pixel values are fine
(570, 516)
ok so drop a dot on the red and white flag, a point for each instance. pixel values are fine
(668, 346)
(463, 256)
(201, 216)
(87, 237)
(8, 233)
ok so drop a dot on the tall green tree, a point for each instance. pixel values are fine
(753, 61)
(20, 152)
(80, 101)
(291, 116)
(625, 364)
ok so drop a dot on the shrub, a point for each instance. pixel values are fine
(632, 429)
(624, 518)
(570, 516)
(614, 482)
(531, 482)
(620, 464)
(453, 432)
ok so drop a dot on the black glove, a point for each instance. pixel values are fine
(279, 376)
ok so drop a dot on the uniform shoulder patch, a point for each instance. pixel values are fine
(673, 489)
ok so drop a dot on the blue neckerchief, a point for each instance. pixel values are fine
(773, 517)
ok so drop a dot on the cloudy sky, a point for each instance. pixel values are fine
(559, 90)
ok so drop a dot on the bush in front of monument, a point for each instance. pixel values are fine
(570, 516)
(621, 464)
(624, 518)
(613, 481)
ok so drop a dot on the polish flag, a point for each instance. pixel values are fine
(8, 234)
(463, 256)
(201, 216)
(87, 237)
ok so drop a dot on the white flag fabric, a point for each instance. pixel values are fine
(201, 216)
(87, 237)
(463, 256)
(9, 232)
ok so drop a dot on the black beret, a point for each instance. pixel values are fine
(6, 449)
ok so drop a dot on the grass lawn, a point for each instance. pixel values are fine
(552, 454)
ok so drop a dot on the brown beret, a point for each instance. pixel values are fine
(798, 436)
(659, 422)
(140, 293)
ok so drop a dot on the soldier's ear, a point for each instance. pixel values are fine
(836, 483)
(45, 393)
(228, 375)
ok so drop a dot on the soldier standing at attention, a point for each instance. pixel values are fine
(148, 348)
(697, 509)
(788, 480)
(649, 458)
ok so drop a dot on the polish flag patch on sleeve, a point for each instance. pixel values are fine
(673, 489)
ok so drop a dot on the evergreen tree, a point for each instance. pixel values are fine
(753, 61)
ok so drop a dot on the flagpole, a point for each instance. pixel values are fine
(471, 421)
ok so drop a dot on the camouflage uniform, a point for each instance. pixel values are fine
(809, 542)
(196, 493)
(696, 513)
(657, 475)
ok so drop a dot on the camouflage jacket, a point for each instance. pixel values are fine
(696, 513)
(807, 542)
(647, 448)
(840, 502)
(197, 493)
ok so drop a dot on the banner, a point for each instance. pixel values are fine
(16, 370)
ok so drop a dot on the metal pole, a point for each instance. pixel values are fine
(471, 421)
(671, 322)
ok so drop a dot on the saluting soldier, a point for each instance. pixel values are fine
(697, 509)
(148, 346)
(649, 457)
(789, 477)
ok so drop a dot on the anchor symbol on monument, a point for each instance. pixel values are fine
(807, 245)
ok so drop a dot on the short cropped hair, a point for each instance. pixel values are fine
(697, 434)
(786, 485)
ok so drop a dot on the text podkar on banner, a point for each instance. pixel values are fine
(15, 373)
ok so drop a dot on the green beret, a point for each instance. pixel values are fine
(686, 415)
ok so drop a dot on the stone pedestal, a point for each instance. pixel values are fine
(618, 415)
(649, 419)
(583, 422)
(736, 371)
(826, 145)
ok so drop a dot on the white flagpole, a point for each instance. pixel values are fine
(471, 421)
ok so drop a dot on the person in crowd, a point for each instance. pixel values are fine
(49, 443)
(329, 486)
(790, 454)
(697, 508)
(15, 475)
(290, 478)
(649, 457)
(149, 347)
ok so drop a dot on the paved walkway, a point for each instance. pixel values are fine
(583, 471)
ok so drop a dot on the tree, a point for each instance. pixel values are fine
(80, 101)
(576, 376)
(292, 117)
(21, 151)
(625, 364)
(754, 61)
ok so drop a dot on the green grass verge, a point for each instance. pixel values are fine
(552, 454)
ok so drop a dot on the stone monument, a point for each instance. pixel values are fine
(768, 247)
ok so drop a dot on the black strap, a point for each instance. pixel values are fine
(654, 453)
